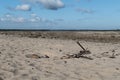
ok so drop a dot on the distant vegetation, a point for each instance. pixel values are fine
(102, 36)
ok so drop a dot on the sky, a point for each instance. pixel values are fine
(60, 14)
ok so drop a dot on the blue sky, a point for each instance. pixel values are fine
(60, 14)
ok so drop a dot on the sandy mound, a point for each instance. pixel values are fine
(23, 58)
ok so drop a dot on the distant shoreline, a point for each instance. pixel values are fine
(55, 30)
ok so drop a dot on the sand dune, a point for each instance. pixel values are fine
(16, 65)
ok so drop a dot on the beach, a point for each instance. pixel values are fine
(39, 56)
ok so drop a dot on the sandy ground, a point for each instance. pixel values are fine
(16, 63)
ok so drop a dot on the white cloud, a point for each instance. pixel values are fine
(24, 7)
(83, 10)
(52, 4)
(49, 4)
(19, 19)
(33, 15)
(34, 18)
(12, 18)
(2, 19)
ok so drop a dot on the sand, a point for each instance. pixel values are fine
(16, 63)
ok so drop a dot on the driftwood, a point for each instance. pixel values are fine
(81, 46)
(80, 54)
(84, 51)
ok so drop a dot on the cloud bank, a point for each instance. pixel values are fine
(33, 18)
(32, 22)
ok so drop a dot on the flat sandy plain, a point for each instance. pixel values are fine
(36, 55)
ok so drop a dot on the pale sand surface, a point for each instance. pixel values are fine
(14, 65)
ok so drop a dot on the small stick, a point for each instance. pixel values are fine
(81, 46)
